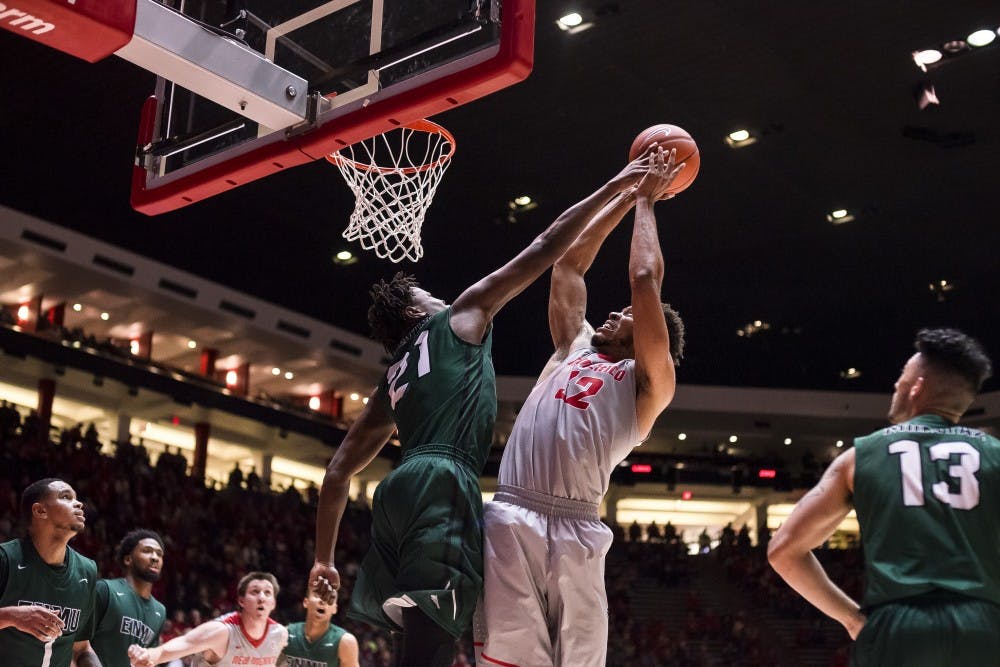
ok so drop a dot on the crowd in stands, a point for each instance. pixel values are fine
(215, 533)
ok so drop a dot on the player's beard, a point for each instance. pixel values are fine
(148, 576)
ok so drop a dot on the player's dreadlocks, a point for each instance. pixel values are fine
(386, 316)
(675, 328)
(953, 351)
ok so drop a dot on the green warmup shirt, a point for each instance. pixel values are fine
(67, 590)
(427, 513)
(300, 652)
(927, 494)
(123, 618)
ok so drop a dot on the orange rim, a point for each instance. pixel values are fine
(421, 125)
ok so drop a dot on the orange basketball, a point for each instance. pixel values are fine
(671, 136)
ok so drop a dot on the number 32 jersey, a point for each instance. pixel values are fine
(575, 427)
(927, 494)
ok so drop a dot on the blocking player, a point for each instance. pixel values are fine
(597, 398)
(423, 573)
(927, 495)
(318, 642)
(47, 589)
(127, 613)
(247, 636)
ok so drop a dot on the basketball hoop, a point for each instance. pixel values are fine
(394, 177)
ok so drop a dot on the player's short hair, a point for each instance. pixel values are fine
(387, 316)
(34, 493)
(951, 351)
(131, 540)
(241, 588)
(675, 328)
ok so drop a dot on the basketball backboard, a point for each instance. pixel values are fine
(291, 81)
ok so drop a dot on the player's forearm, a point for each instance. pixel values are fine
(645, 257)
(580, 255)
(332, 503)
(86, 658)
(803, 572)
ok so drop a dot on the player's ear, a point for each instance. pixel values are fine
(414, 312)
(917, 388)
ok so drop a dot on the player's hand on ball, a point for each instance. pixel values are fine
(655, 185)
(628, 179)
(324, 580)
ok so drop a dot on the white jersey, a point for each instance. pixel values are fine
(246, 651)
(574, 428)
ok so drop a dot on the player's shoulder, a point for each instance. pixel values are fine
(77, 559)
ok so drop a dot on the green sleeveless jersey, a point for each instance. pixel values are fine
(124, 618)
(927, 494)
(300, 652)
(442, 391)
(67, 590)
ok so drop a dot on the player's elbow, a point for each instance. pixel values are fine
(778, 552)
(645, 277)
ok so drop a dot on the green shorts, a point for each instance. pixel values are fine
(427, 544)
(930, 631)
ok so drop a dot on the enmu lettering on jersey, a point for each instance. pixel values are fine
(133, 627)
(254, 660)
(302, 662)
(69, 615)
(614, 370)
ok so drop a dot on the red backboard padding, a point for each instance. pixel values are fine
(87, 29)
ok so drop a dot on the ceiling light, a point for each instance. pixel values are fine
(750, 328)
(926, 57)
(355, 396)
(77, 307)
(788, 441)
(345, 258)
(840, 216)
(192, 344)
(275, 371)
(571, 20)
(105, 317)
(733, 438)
(314, 402)
(23, 313)
(682, 436)
(523, 200)
(289, 375)
(133, 346)
(365, 400)
(981, 37)
(231, 378)
(939, 288)
(740, 138)
(840, 443)
(850, 373)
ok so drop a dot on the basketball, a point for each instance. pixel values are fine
(671, 136)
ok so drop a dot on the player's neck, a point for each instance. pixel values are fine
(50, 545)
(143, 589)
(255, 626)
(316, 628)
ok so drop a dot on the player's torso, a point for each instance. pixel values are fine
(243, 650)
(129, 619)
(442, 390)
(67, 591)
(928, 500)
(574, 428)
(321, 653)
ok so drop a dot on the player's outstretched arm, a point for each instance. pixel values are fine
(211, 636)
(654, 365)
(568, 290)
(362, 443)
(811, 523)
(474, 309)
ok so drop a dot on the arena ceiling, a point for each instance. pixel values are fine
(828, 88)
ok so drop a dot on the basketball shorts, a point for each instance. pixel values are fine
(544, 601)
(427, 544)
(930, 631)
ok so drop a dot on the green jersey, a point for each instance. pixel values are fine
(442, 391)
(927, 494)
(300, 652)
(67, 590)
(124, 618)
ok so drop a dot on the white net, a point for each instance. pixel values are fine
(394, 177)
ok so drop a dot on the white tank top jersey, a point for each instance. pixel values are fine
(244, 650)
(576, 426)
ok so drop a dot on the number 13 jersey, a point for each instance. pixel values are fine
(575, 427)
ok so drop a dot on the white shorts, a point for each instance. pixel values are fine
(544, 602)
